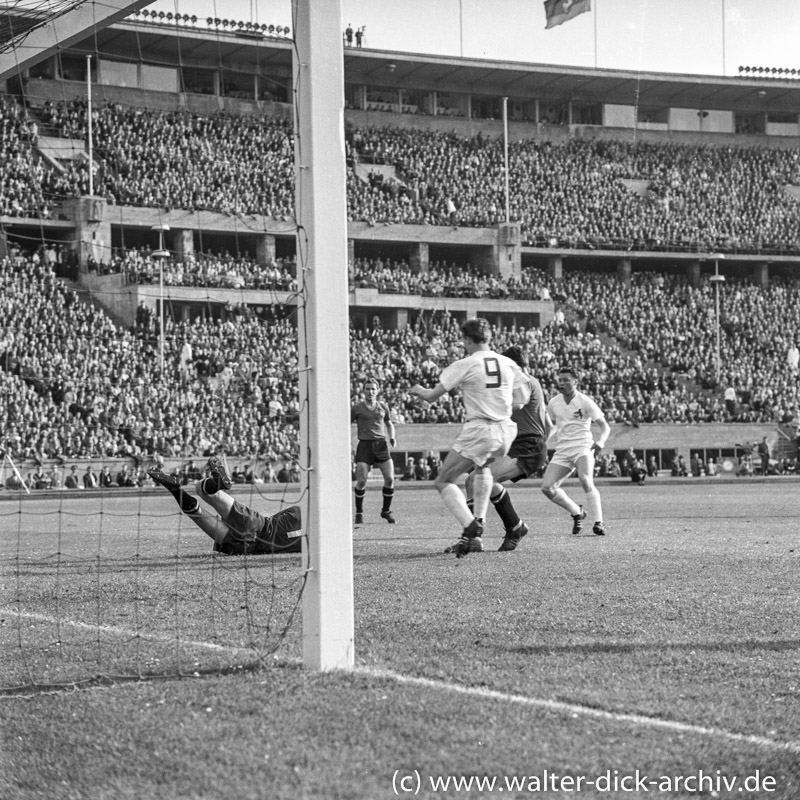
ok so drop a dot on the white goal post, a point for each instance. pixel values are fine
(323, 334)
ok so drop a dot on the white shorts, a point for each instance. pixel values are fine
(482, 441)
(568, 457)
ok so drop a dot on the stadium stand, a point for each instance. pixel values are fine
(571, 194)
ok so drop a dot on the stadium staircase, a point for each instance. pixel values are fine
(56, 150)
(785, 445)
(87, 296)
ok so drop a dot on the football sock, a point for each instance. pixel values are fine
(360, 494)
(456, 504)
(210, 485)
(482, 488)
(188, 504)
(388, 496)
(505, 508)
(593, 506)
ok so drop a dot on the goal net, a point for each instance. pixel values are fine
(151, 294)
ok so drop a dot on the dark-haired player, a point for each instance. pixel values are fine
(374, 424)
(491, 385)
(238, 530)
(573, 414)
(526, 456)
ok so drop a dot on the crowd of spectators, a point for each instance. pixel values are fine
(577, 193)
(446, 280)
(674, 327)
(30, 186)
(73, 385)
(584, 193)
(209, 270)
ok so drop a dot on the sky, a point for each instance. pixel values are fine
(701, 37)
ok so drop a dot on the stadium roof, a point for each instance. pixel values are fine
(549, 81)
(199, 45)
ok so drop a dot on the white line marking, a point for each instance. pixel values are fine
(574, 709)
(556, 706)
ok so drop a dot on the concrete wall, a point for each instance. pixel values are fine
(110, 291)
(646, 437)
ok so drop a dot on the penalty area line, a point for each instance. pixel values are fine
(575, 709)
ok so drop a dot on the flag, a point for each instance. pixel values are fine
(558, 11)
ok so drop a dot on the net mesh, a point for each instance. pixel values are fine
(20, 17)
(175, 340)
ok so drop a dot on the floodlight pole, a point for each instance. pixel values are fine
(161, 254)
(717, 279)
(505, 157)
(323, 335)
(89, 123)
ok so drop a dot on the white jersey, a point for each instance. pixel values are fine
(573, 421)
(490, 384)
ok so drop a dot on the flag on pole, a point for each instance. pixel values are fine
(558, 11)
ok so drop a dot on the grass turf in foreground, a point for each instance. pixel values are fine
(689, 614)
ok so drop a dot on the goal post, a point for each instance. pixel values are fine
(323, 334)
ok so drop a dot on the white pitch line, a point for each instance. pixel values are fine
(557, 706)
(575, 709)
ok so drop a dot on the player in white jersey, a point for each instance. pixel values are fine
(491, 386)
(527, 456)
(573, 414)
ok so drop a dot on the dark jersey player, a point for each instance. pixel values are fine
(374, 425)
(238, 530)
(526, 456)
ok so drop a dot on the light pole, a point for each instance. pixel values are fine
(717, 279)
(161, 254)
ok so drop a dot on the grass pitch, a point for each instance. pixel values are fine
(666, 651)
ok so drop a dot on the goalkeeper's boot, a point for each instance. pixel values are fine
(359, 520)
(598, 529)
(169, 482)
(388, 516)
(218, 477)
(577, 522)
(470, 541)
(512, 538)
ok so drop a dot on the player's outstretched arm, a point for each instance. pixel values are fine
(429, 395)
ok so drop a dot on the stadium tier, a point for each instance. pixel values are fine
(615, 216)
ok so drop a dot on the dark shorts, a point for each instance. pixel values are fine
(374, 451)
(252, 533)
(530, 451)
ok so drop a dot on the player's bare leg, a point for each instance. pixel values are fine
(222, 503)
(554, 475)
(453, 467)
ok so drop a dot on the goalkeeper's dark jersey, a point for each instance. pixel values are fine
(371, 422)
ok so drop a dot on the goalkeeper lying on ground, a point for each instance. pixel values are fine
(238, 530)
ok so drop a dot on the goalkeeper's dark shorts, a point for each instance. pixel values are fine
(252, 533)
(530, 452)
